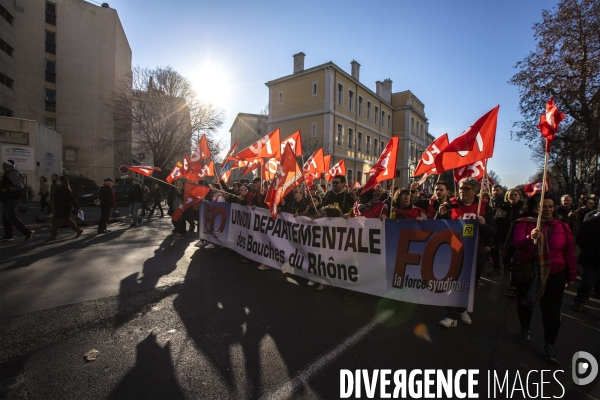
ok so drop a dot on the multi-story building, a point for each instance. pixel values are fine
(60, 64)
(246, 129)
(334, 110)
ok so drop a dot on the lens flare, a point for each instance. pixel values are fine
(422, 332)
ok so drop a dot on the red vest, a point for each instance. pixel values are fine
(467, 212)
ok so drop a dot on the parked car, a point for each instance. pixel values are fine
(92, 199)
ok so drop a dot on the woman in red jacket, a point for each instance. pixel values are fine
(552, 261)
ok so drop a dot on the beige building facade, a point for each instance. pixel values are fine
(63, 60)
(334, 110)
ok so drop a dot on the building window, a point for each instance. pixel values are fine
(50, 71)
(360, 105)
(340, 94)
(368, 144)
(382, 118)
(350, 178)
(70, 155)
(359, 142)
(376, 114)
(375, 143)
(6, 48)
(51, 123)
(417, 131)
(389, 122)
(382, 146)
(313, 129)
(14, 137)
(5, 112)
(350, 100)
(50, 42)
(6, 81)
(359, 176)
(50, 100)
(314, 89)
(51, 13)
(412, 126)
(350, 138)
(422, 131)
(280, 97)
(6, 15)
(339, 134)
(369, 110)
(258, 132)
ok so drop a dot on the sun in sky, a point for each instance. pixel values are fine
(212, 82)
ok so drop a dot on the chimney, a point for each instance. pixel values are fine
(384, 90)
(299, 62)
(355, 68)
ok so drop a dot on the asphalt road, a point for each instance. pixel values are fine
(174, 321)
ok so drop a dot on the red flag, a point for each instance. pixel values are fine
(295, 142)
(288, 176)
(250, 165)
(192, 194)
(475, 170)
(200, 153)
(229, 154)
(549, 121)
(474, 144)
(315, 164)
(225, 175)
(267, 146)
(207, 170)
(176, 172)
(143, 169)
(326, 164)
(427, 161)
(357, 184)
(270, 168)
(337, 169)
(385, 167)
(536, 187)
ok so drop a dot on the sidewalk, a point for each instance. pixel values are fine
(91, 215)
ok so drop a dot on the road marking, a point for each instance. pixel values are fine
(302, 377)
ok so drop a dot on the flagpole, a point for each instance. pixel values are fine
(482, 186)
(539, 219)
(160, 180)
(454, 180)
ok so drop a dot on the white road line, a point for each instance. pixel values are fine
(286, 390)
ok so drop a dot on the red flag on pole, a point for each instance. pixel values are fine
(250, 165)
(315, 164)
(288, 176)
(474, 144)
(295, 142)
(192, 194)
(200, 153)
(337, 169)
(176, 172)
(475, 170)
(385, 167)
(143, 169)
(549, 121)
(357, 184)
(536, 187)
(199, 174)
(229, 154)
(427, 161)
(268, 146)
(270, 169)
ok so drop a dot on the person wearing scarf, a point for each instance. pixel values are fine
(402, 207)
(549, 251)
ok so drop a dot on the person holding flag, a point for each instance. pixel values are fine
(338, 195)
(466, 206)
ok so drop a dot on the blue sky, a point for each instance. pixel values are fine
(455, 56)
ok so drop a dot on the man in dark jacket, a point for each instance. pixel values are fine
(588, 237)
(107, 200)
(157, 199)
(12, 188)
(465, 206)
(255, 197)
(338, 195)
(136, 196)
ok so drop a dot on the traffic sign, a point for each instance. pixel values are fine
(123, 169)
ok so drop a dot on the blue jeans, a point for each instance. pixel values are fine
(9, 218)
(589, 279)
(133, 210)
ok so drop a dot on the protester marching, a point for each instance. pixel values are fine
(358, 237)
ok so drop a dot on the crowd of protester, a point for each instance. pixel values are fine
(541, 262)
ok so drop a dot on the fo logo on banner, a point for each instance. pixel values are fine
(468, 230)
(583, 363)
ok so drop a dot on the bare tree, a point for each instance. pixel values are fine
(565, 65)
(165, 115)
(494, 177)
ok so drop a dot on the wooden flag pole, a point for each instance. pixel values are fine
(454, 180)
(483, 181)
(539, 219)
(304, 176)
